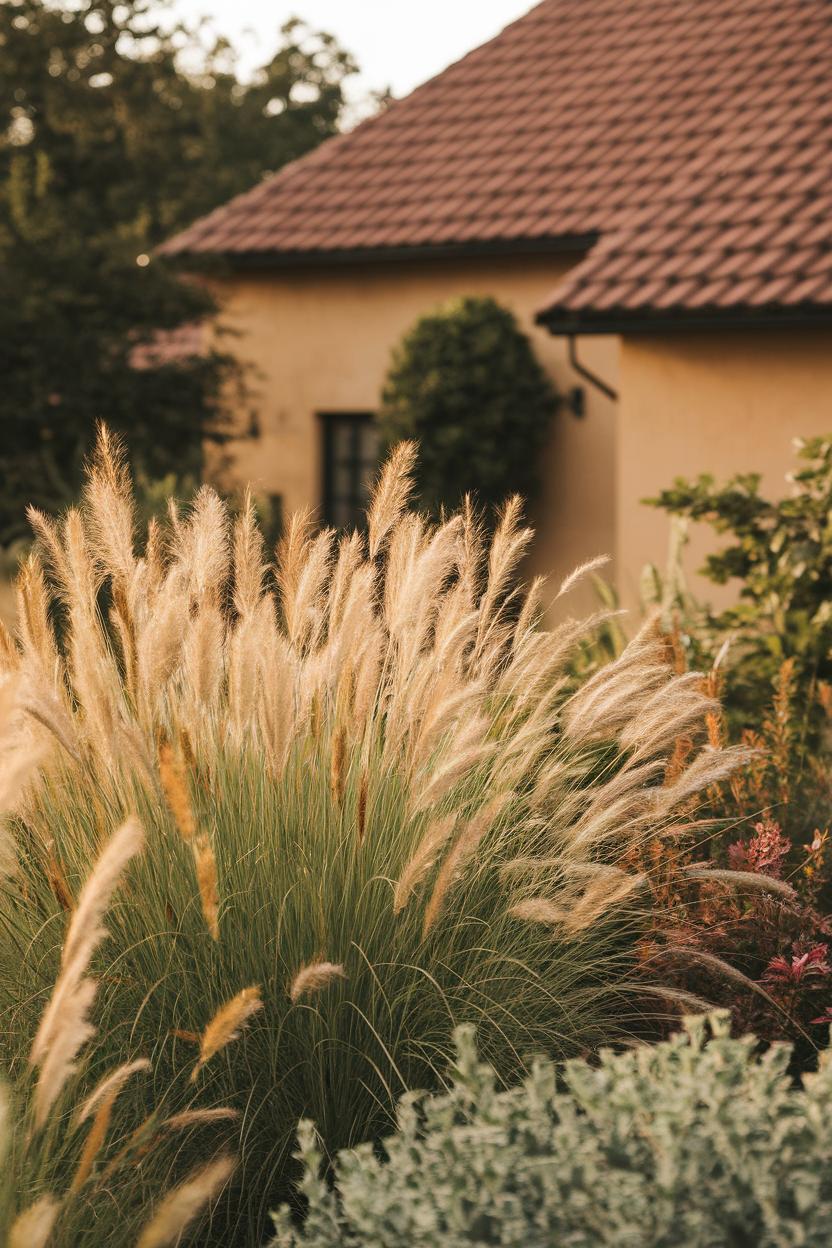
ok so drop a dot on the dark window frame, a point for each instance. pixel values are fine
(330, 422)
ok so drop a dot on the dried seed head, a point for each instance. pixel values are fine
(361, 812)
(424, 857)
(461, 852)
(391, 495)
(538, 910)
(65, 1026)
(198, 1117)
(337, 776)
(32, 1228)
(180, 1207)
(113, 1082)
(227, 1024)
(176, 790)
(313, 978)
(206, 875)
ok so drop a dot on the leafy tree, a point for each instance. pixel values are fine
(466, 385)
(108, 144)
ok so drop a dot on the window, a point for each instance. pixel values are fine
(350, 459)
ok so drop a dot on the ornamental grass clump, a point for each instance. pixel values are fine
(375, 806)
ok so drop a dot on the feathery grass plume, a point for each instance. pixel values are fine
(612, 698)
(108, 502)
(227, 1024)
(203, 549)
(507, 549)
(20, 756)
(33, 1227)
(313, 978)
(198, 1117)
(58, 1047)
(751, 880)
(206, 878)
(65, 1027)
(461, 851)
(113, 1082)
(537, 910)
(684, 953)
(392, 495)
(203, 661)
(179, 1209)
(38, 646)
(348, 566)
(249, 569)
(177, 793)
(708, 767)
(468, 747)
(85, 931)
(95, 1140)
(9, 655)
(585, 569)
(604, 894)
(424, 857)
(417, 664)
(305, 611)
(292, 552)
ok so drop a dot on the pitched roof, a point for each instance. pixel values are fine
(686, 143)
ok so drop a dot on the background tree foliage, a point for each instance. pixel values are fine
(118, 127)
(465, 383)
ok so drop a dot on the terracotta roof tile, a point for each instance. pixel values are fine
(692, 139)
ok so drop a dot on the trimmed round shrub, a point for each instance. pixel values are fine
(466, 385)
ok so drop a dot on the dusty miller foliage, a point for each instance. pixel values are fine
(697, 1141)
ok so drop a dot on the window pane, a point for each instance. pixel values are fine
(343, 480)
(341, 435)
(350, 445)
(368, 441)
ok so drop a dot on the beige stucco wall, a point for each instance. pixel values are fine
(720, 403)
(321, 342)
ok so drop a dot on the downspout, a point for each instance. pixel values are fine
(587, 375)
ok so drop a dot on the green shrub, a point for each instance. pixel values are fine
(686, 1143)
(373, 801)
(466, 385)
(779, 552)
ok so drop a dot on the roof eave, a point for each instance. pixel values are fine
(319, 258)
(562, 322)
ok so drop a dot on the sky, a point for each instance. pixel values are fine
(397, 43)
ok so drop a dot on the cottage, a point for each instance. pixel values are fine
(646, 183)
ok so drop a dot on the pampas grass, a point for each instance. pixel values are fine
(339, 758)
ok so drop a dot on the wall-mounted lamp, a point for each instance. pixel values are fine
(575, 402)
